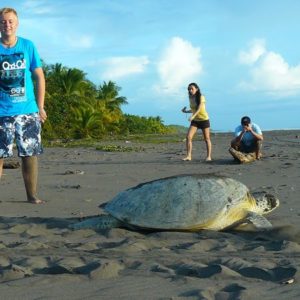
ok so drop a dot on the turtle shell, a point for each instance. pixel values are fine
(186, 202)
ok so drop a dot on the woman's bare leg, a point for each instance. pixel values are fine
(189, 142)
(206, 136)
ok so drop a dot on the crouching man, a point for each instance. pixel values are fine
(247, 144)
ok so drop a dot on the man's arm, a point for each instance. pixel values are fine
(38, 75)
(239, 136)
(258, 136)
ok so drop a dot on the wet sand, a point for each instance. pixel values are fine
(40, 258)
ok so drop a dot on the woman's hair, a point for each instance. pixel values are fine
(198, 93)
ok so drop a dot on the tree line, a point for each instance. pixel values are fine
(79, 109)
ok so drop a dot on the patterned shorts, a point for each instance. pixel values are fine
(25, 130)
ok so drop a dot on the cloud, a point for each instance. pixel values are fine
(179, 64)
(83, 41)
(269, 72)
(38, 8)
(117, 67)
(257, 49)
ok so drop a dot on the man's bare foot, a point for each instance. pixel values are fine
(208, 159)
(188, 158)
(36, 201)
(259, 156)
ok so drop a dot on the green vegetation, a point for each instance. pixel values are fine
(118, 143)
(78, 109)
(118, 148)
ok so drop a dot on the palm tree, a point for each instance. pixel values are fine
(86, 122)
(53, 75)
(65, 89)
(69, 82)
(108, 93)
(73, 82)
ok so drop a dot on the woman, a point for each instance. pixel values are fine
(198, 119)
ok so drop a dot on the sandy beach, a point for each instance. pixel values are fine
(40, 258)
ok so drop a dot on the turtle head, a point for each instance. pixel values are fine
(265, 202)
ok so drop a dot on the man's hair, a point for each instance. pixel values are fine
(6, 10)
(245, 120)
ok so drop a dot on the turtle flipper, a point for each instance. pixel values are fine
(242, 157)
(259, 221)
(101, 222)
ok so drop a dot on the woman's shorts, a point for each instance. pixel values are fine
(25, 130)
(201, 124)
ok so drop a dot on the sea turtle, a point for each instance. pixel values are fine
(185, 203)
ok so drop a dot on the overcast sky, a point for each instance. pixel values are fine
(244, 55)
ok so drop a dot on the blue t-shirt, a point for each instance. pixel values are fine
(16, 85)
(248, 137)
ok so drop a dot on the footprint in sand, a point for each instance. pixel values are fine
(233, 291)
(247, 269)
(13, 272)
(107, 270)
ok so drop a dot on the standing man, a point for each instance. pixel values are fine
(247, 144)
(21, 112)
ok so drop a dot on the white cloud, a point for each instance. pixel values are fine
(83, 41)
(36, 7)
(257, 49)
(269, 72)
(117, 67)
(179, 64)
